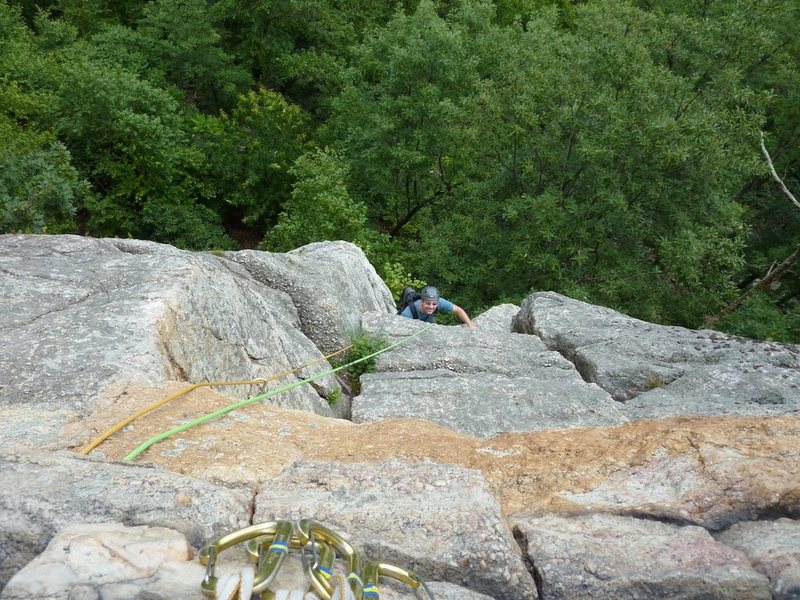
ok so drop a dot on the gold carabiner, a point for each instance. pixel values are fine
(321, 571)
(373, 571)
(309, 529)
(270, 564)
(318, 573)
(208, 555)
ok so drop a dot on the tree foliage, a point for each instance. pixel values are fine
(607, 150)
(39, 189)
(250, 156)
(186, 49)
(399, 119)
(320, 207)
(580, 162)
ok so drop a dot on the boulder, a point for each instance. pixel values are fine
(472, 404)
(441, 590)
(82, 315)
(93, 330)
(709, 471)
(439, 521)
(481, 383)
(709, 485)
(773, 547)
(330, 283)
(498, 318)
(661, 371)
(606, 557)
(113, 562)
(116, 562)
(43, 493)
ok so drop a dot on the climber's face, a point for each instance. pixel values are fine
(428, 306)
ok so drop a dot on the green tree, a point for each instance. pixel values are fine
(130, 139)
(320, 207)
(765, 51)
(510, 11)
(26, 70)
(537, 157)
(185, 46)
(613, 183)
(297, 47)
(249, 156)
(39, 188)
(87, 16)
(400, 119)
(607, 150)
(125, 133)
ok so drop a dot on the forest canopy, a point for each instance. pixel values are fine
(606, 150)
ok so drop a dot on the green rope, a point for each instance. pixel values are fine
(223, 411)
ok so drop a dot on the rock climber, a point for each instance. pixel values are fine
(429, 304)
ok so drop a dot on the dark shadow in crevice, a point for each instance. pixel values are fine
(522, 541)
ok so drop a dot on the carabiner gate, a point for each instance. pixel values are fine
(208, 555)
(269, 563)
(308, 529)
(373, 571)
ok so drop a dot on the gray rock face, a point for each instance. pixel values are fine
(43, 493)
(82, 314)
(774, 549)
(497, 318)
(477, 382)
(440, 590)
(712, 486)
(471, 404)
(331, 284)
(79, 316)
(661, 371)
(605, 557)
(113, 562)
(439, 521)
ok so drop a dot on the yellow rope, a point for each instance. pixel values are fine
(260, 381)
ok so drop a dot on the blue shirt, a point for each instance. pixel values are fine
(445, 306)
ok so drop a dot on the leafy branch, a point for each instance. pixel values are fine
(774, 273)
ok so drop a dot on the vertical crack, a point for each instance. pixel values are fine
(166, 327)
(538, 579)
(251, 507)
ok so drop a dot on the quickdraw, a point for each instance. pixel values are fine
(270, 542)
(208, 555)
(373, 571)
(319, 572)
(312, 530)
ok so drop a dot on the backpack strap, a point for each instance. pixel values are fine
(415, 313)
